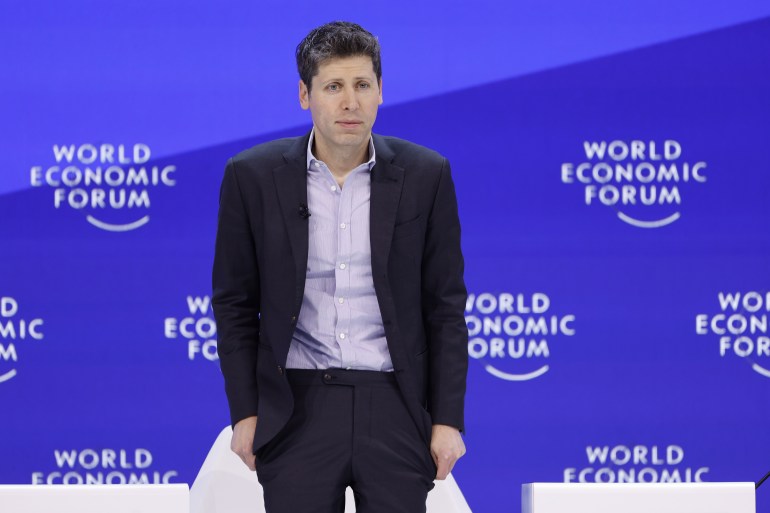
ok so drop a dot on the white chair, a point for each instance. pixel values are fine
(225, 485)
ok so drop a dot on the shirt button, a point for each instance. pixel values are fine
(317, 165)
(342, 336)
(343, 225)
(341, 300)
(334, 188)
(342, 266)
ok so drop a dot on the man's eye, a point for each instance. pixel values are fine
(364, 85)
(333, 87)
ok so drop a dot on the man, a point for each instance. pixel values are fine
(339, 299)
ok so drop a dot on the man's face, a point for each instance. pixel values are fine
(343, 102)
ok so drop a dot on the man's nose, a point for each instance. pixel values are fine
(350, 102)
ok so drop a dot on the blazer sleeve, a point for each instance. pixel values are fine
(235, 299)
(443, 306)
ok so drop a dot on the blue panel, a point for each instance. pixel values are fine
(184, 75)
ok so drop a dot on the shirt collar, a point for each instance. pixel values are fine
(311, 158)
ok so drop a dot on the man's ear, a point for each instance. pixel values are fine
(380, 83)
(304, 96)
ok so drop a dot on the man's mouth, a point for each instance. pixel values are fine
(348, 123)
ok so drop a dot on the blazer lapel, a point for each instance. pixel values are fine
(291, 187)
(387, 181)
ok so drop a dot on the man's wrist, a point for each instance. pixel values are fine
(444, 426)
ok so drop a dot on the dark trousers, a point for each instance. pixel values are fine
(348, 428)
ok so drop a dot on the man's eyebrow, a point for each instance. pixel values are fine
(342, 79)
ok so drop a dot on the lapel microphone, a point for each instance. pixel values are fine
(304, 213)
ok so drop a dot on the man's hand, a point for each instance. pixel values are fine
(446, 447)
(243, 440)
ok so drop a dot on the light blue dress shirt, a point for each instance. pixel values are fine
(340, 324)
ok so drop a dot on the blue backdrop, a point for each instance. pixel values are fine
(611, 165)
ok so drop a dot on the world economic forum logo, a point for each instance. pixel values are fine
(741, 327)
(642, 180)
(633, 463)
(111, 182)
(103, 466)
(197, 328)
(13, 329)
(511, 334)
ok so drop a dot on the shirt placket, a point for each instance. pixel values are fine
(342, 273)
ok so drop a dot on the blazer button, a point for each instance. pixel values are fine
(293, 319)
(280, 370)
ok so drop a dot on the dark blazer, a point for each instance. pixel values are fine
(417, 267)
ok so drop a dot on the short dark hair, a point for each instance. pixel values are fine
(335, 39)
